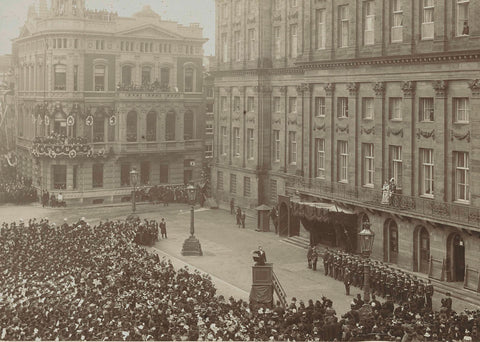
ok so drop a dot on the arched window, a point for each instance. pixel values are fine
(98, 128)
(170, 126)
(188, 125)
(132, 126)
(126, 75)
(390, 241)
(189, 80)
(165, 78)
(100, 78)
(60, 77)
(152, 126)
(146, 75)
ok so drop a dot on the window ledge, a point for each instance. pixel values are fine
(459, 201)
(427, 196)
(461, 123)
(370, 186)
(396, 120)
(343, 181)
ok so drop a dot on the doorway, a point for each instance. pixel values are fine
(283, 220)
(424, 252)
(456, 257)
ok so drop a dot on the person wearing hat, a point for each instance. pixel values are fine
(163, 228)
(347, 279)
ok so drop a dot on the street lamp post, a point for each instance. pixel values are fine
(191, 198)
(192, 246)
(133, 180)
(366, 245)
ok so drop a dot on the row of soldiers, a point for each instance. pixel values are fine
(384, 280)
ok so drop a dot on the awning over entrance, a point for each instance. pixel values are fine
(317, 211)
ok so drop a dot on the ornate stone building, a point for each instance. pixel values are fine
(325, 101)
(116, 92)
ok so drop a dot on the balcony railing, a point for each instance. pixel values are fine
(163, 146)
(416, 206)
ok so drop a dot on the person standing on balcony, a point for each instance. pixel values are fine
(385, 193)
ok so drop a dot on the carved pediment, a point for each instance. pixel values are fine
(149, 31)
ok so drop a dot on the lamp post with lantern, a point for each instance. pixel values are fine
(134, 180)
(192, 246)
(366, 245)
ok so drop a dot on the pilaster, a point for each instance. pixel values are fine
(409, 155)
(354, 114)
(329, 106)
(442, 177)
(474, 86)
(381, 120)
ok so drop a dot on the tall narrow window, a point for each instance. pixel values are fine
(427, 172)
(320, 107)
(397, 21)
(342, 161)
(188, 130)
(237, 46)
(342, 107)
(292, 104)
(233, 183)
(369, 23)
(132, 126)
(98, 128)
(60, 77)
(462, 176)
(320, 158)
(251, 104)
(250, 143)
(97, 175)
(164, 173)
(219, 180)
(126, 75)
(152, 126)
(246, 186)
(396, 165)
(145, 173)
(343, 26)
(276, 145)
(273, 191)
(100, 78)
(223, 104)
(170, 126)
(146, 75)
(224, 140)
(368, 165)
(277, 50)
(236, 103)
(321, 32)
(125, 174)
(463, 28)
(276, 5)
(461, 110)
(59, 177)
(189, 80)
(250, 6)
(251, 44)
(236, 142)
(165, 78)
(367, 108)
(75, 78)
(237, 8)
(395, 108)
(293, 41)
(277, 104)
(428, 18)
(292, 150)
(224, 48)
(426, 111)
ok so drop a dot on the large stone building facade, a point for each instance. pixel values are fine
(325, 101)
(117, 92)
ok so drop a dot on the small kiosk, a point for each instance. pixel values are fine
(263, 218)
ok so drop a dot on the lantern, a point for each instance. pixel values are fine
(366, 239)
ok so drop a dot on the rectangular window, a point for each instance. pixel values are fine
(246, 187)
(276, 145)
(223, 104)
(238, 8)
(342, 108)
(277, 42)
(369, 22)
(342, 147)
(396, 165)
(233, 184)
(97, 175)
(293, 41)
(75, 78)
(208, 151)
(224, 143)
(276, 5)
(462, 176)
(219, 180)
(238, 46)
(426, 110)
(426, 172)
(236, 141)
(461, 109)
(250, 7)
(250, 143)
(321, 32)
(75, 43)
(236, 103)
(163, 173)
(395, 108)
(368, 165)
(292, 104)
(100, 78)
(343, 26)
(367, 108)
(251, 45)
(397, 21)
(75, 177)
(277, 104)
(292, 147)
(60, 77)
(224, 48)
(463, 28)
(428, 17)
(209, 128)
(59, 177)
(145, 173)
(273, 191)
(250, 104)
(125, 175)
(320, 107)
(320, 158)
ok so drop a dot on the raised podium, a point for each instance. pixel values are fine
(262, 284)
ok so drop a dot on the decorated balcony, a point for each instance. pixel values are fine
(60, 146)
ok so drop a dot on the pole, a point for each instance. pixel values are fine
(134, 199)
(192, 221)
(366, 280)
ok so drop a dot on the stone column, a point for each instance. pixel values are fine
(305, 91)
(380, 122)
(474, 166)
(409, 154)
(284, 92)
(230, 119)
(217, 139)
(354, 114)
(442, 124)
(329, 106)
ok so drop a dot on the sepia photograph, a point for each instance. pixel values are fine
(240, 170)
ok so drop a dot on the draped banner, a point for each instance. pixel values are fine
(261, 294)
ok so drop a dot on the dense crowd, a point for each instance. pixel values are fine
(60, 139)
(83, 282)
(146, 87)
(18, 190)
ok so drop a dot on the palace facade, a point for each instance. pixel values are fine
(319, 103)
(99, 94)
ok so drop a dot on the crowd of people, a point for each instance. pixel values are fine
(17, 189)
(100, 14)
(77, 281)
(155, 86)
(147, 232)
(60, 139)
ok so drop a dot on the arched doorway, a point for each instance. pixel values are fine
(456, 257)
(390, 241)
(421, 250)
(283, 220)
